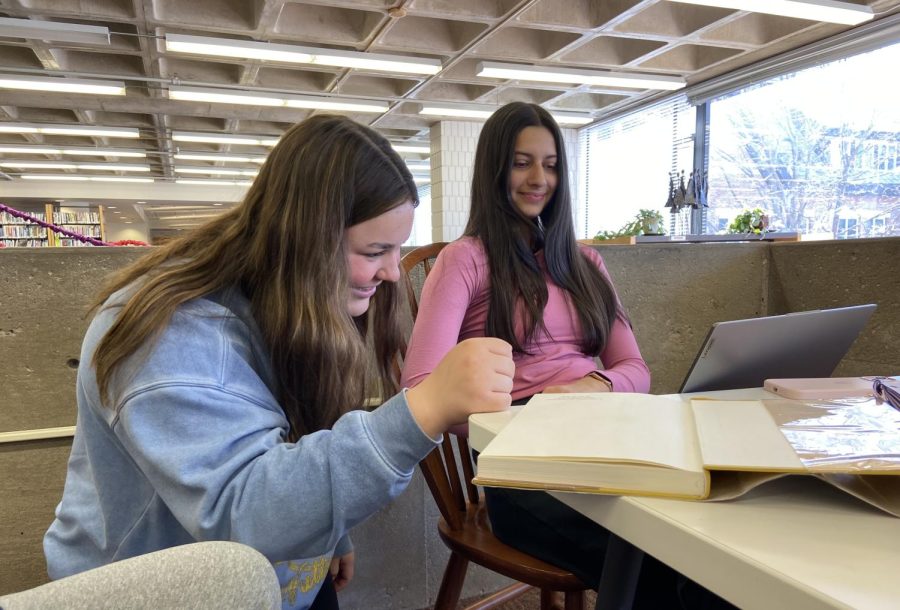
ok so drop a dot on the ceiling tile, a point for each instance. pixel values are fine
(435, 35)
(588, 14)
(459, 92)
(327, 24)
(360, 84)
(690, 57)
(525, 43)
(672, 19)
(755, 29)
(235, 15)
(18, 57)
(611, 51)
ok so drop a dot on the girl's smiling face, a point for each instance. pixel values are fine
(373, 254)
(532, 177)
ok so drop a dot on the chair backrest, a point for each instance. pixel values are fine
(448, 470)
(416, 265)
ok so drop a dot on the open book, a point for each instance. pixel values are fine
(638, 444)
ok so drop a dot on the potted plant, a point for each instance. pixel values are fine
(645, 222)
(651, 222)
(750, 221)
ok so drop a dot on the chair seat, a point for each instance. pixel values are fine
(476, 541)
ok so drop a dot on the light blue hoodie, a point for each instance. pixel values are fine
(194, 450)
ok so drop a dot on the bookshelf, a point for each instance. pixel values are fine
(87, 221)
(18, 233)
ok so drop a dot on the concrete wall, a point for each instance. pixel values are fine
(672, 292)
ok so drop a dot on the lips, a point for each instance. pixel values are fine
(535, 197)
(363, 292)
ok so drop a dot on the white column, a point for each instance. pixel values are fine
(452, 159)
(453, 146)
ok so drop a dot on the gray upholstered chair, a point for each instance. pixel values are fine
(205, 575)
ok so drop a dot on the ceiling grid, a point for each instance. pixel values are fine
(645, 37)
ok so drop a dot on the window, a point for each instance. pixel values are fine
(421, 232)
(818, 149)
(626, 163)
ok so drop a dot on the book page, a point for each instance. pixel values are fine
(603, 427)
(741, 435)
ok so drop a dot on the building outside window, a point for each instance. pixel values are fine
(818, 150)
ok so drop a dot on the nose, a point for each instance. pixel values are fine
(390, 271)
(538, 175)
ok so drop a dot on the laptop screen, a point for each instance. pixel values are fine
(744, 353)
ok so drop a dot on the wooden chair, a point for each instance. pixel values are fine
(464, 525)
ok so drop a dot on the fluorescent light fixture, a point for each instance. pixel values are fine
(94, 152)
(265, 51)
(829, 11)
(222, 96)
(192, 216)
(160, 208)
(216, 170)
(489, 69)
(418, 166)
(456, 112)
(212, 214)
(214, 182)
(70, 130)
(110, 167)
(27, 165)
(224, 158)
(563, 118)
(227, 96)
(571, 119)
(421, 180)
(52, 30)
(214, 138)
(411, 148)
(73, 178)
(58, 84)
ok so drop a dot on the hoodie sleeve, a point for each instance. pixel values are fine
(217, 459)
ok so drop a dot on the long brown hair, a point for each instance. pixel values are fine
(510, 238)
(283, 247)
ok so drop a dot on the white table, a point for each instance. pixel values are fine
(793, 543)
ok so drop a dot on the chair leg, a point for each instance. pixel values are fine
(452, 583)
(574, 600)
(548, 598)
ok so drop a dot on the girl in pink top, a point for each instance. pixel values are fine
(519, 274)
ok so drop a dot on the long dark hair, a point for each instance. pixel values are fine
(283, 247)
(510, 238)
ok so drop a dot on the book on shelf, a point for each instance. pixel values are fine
(701, 449)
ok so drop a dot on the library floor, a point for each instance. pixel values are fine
(532, 601)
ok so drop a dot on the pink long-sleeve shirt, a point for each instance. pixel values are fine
(454, 307)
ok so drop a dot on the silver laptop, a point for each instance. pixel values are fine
(744, 353)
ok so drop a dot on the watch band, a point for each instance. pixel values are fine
(601, 378)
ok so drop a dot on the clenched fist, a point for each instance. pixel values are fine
(476, 376)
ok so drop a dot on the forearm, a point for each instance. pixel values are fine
(287, 500)
(622, 361)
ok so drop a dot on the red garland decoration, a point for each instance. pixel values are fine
(128, 242)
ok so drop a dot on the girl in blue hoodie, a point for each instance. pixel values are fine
(222, 379)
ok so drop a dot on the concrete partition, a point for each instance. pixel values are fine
(672, 293)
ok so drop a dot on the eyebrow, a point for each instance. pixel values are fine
(381, 246)
(525, 154)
